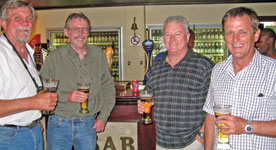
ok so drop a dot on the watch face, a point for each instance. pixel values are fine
(249, 129)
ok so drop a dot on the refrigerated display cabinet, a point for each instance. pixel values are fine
(209, 40)
(102, 37)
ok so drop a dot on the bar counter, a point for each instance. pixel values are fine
(125, 110)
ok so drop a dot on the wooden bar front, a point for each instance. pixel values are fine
(126, 110)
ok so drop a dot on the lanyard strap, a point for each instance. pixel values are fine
(39, 88)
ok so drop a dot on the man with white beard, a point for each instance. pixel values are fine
(21, 101)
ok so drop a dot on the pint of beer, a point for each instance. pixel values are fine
(146, 99)
(50, 85)
(84, 87)
(223, 139)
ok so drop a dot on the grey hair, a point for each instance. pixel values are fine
(75, 16)
(239, 12)
(11, 4)
(178, 19)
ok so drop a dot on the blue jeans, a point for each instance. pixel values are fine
(63, 133)
(21, 138)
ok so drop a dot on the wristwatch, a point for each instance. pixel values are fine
(201, 135)
(249, 128)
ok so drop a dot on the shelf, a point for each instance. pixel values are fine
(114, 69)
(103, 43)
(159, 41)
(59, 44)
(211, 54)
(203, 41)
(99, 43)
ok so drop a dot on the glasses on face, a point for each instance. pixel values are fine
(78, 29)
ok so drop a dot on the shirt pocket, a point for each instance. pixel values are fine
(255, 108)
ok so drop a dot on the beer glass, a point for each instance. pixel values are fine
(223, 139)
(146, 99)
(84, 87)
(50, 85)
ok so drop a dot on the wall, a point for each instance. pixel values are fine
(155, 14)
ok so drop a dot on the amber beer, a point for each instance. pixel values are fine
(146, 99)
(50, 85)
(50, 89)
(223, 139)
(84, 87)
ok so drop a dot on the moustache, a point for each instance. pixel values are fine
(24, 28)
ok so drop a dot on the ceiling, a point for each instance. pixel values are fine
(50, 4)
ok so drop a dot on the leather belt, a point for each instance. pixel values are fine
(32, 125)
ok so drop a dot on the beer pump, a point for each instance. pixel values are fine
(148, 47)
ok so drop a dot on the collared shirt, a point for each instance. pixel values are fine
(179, 95)
(15, 82)
(64, 65)
(252, 94)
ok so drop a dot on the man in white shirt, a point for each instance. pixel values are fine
(20, 99)
(247, 81)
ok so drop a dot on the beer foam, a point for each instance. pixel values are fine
(146, 95)
(222, 110)
(83, 87)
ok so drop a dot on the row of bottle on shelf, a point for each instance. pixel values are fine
(115, 68)
(216, 59)
(200, 47)
(94, 37)
(200, 34)
(115, 63)
(115, 75)
(209, 47)
(208, 34)
(157, 35)
(158, 48)
(103, 47)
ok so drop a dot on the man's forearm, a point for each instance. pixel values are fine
(209, 130)
(264, 128)
(9, 107)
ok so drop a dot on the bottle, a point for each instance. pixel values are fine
(209, 48)
(217, 47)
(196, 34)
(221, 48)
(212, 33)
(89, 39)
(220, 34)
(153, 37)
(208, 34)
(213, 48)
(95, 38)
(195, 48)
(216, 34)
(199, 34)
(203, 34)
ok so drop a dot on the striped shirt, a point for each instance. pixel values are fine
(252, 94)
(179, 95)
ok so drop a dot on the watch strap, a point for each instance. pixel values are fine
(249, 122)
(201, 135)
(249, 127)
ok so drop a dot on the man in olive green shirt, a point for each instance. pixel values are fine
(74, 63)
